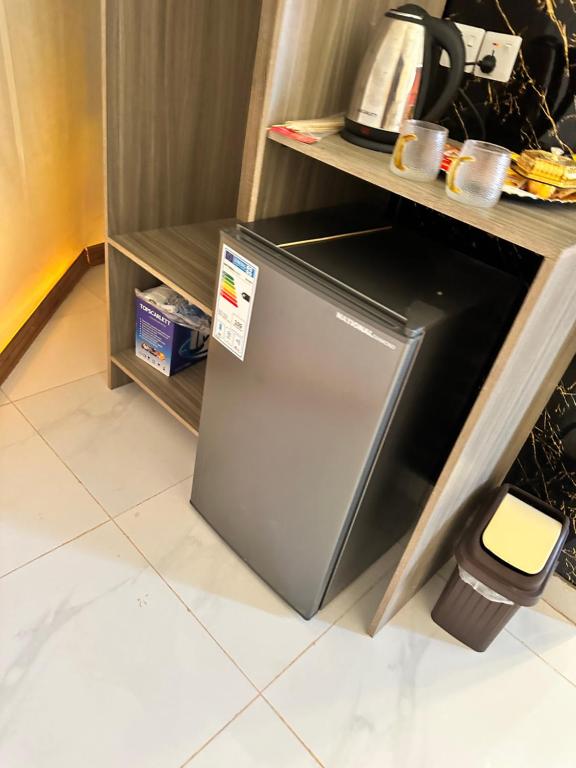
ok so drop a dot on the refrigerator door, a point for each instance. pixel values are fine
(289, 434)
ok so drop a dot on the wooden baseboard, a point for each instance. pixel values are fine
(95, 254)
(16, 348)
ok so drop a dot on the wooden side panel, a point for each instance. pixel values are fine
(178, 82)
(314, 50)
(255, 141)
(122, 277)
(305, 184)
(538, 349)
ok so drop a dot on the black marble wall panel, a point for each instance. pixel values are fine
(536, 107)
(546, 465)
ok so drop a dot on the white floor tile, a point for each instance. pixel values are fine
(260, 631)
(42, 505)
(414, 697)
(68, 348)
(102, 666)
(122, 445)
(256, 739)
(78, 301)
(549, 634)
(13, 429)
(3, 398)
(95, 281)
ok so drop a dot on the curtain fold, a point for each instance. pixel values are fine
(51, 163)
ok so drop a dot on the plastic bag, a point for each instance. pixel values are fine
(176, 308)
(482, 589)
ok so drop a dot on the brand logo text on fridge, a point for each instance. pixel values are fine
(363, 329)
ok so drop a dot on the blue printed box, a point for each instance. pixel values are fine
(164, 344)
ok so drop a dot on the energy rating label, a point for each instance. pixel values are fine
(236, 288)
(228, 290)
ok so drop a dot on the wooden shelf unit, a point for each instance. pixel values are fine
(307, 59)
(181, 394)
(545, 228)
(176, 105)
(184, 258)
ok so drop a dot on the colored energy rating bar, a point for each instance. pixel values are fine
(228, 289)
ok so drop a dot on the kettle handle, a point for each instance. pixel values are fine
(447, 34)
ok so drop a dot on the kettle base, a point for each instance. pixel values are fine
(362, 141)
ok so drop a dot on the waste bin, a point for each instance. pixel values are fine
(504, 560)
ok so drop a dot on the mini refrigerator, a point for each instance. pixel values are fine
(345, 356)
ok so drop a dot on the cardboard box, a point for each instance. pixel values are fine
(165, 344)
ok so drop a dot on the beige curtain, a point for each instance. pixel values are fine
(51, 188)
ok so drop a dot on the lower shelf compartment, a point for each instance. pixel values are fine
(180, 394)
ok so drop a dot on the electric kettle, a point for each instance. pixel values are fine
(396, 76)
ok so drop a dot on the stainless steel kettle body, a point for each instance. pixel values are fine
(395, 76)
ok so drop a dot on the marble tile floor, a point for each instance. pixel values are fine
(131, 635)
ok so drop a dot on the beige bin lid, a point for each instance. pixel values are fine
(521, 535)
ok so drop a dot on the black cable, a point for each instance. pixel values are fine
(473, 109)
(487, 63)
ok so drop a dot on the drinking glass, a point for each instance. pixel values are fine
(418, 151)
(476, 176)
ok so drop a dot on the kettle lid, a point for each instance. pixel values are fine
(409, 12)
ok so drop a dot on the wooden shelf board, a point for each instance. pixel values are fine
(185, 257)
(180, 394)
(546, 229)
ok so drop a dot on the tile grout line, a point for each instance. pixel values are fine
(181, 600)
(258, 697)
(109, 517)
(219, 731)
(10, 401)
(150, 564)
(292, 731)
(113, 520)
(538, 656)
(93, 293)
(54, 549)
(136, 547)
(95, 527)
(51, 389)
(187, 607)
(535, 653)
(93, 266)
(75, 312)
(260, 692)
(321, 635)
(79, 480)
(57, 317)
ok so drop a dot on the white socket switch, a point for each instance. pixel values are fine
(505, 49)
(473, 37)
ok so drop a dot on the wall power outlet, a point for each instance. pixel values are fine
(505, 50)
(479, 43)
